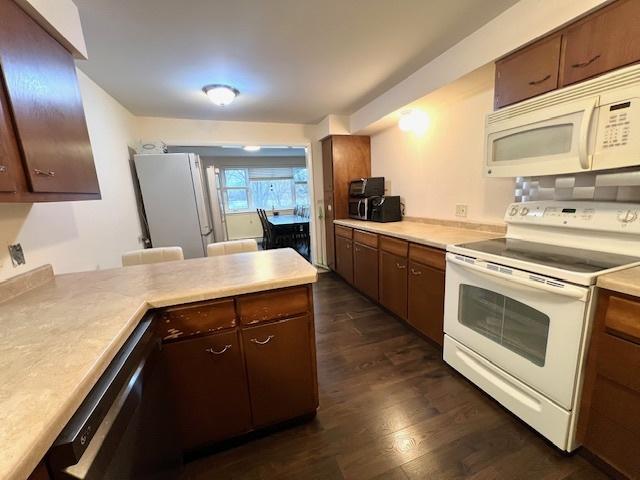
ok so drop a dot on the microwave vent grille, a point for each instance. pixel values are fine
(618, 79)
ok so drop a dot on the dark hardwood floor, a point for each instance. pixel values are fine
(390, 408)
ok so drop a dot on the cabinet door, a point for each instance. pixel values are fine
(209, 388)
(280, 368)
(344, 258)
(528, 72)
(9, 154)
(393, 283)
(40, 78)
(327, 164)
(426, 300)
(603, 41)
(365, 270)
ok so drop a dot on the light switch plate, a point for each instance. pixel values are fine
(17, 254)
(461, 210)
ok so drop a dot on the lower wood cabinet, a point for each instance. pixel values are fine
(365, 270)
(426, 300)
(209, 388)
(609, 420)
(393, 283)
(280, 369)
(344, 258)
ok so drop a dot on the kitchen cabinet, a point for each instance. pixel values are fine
(365, 263)
(239, 364)
(603, 41)
(344, 158)
(344, 253)
(54, 160)
(426, 301)
(280, 370)
(393, 282)
(9, 154)
(609, 420)
(208, 385)
(528, 72)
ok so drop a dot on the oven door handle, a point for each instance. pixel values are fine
(566, 290)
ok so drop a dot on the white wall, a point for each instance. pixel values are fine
(434, 172)
(77, 236)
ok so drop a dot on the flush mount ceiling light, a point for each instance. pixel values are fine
(415, 121)
(221, 95)
(252, 148)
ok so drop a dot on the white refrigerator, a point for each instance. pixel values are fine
(178, 207)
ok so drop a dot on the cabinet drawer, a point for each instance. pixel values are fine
(623, 318)
(345, 232)
(262, 307)
(528, 72)
(619, 360)
(365, 238)
(195, 319)
(394, 246)
(603, 41)
(428, 256)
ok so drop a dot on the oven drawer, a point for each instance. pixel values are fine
(536, 410)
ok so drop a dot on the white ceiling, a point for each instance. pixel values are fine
(293, 60)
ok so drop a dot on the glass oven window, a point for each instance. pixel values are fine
(538, 142)
(508, 322)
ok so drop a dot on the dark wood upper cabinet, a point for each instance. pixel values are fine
(344, 258)
(528, 72)
(426, 300)
(280, 369)
(209, 388)
(603, 41)
(392, 290)
(9, 154)
(45, 105)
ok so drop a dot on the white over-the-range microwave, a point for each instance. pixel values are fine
(594, 125)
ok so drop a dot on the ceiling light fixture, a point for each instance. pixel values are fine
(221, 95)
(252, 148)
(415, 121)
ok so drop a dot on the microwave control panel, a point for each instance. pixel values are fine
(615, 124)
(610, 217)
(617, 142)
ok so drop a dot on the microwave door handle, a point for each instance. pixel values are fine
(512, 281)
(360, 213)
(583, 140)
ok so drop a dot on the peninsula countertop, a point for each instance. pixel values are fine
(57, 339)
(433, 235)
(623, 281)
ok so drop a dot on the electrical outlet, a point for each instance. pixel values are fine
(461, 210)
(16, 254)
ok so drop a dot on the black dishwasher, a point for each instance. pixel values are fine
(123, 429)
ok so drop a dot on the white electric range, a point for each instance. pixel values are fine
(518, 309)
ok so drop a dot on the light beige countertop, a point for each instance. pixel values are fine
(58, 338)
(433, 235)
(623, 281)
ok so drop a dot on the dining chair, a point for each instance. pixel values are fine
(234, 246)
(151, 255)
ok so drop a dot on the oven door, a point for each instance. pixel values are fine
(529, 326)
(550, 141)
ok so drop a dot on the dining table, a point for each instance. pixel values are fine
(289, 226)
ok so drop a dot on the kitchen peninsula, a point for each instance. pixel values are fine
(59, 333)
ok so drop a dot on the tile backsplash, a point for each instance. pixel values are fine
(622, 185)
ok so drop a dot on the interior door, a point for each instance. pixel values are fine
(40, 78)
(530, 332)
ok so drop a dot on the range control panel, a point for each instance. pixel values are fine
(612, 217)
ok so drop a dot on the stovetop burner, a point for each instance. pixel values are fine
(565, 258)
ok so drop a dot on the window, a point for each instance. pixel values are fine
(278, 188)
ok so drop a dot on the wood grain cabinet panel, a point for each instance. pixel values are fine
(202, 318)
(365, 269)
(393, 283)
(42, 86)
(365, 238)
(528, 72)
(342, 231)
(344, 258)
(605, 40)
(428, 256)
(267, 306)
(426, 301)
(280, 370)
(9, 153)
(209, 388)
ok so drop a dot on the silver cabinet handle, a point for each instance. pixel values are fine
(3, 168)
(48, 173)
(400, 266)
(415, 272)
(264, 342)
(219, 352)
